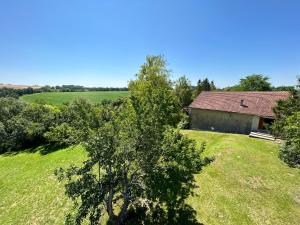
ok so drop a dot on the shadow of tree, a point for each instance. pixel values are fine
(50, 148)
(184, 215)
(172, 191)
(42, 149)
(24, 150)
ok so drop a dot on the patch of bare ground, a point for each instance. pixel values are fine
(19, 87)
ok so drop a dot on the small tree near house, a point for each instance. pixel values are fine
(184, 92)
(287, 127)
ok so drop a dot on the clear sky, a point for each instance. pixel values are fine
(103, 43)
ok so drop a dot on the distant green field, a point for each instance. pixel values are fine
(57, 98)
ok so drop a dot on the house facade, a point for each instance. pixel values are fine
(234, 112)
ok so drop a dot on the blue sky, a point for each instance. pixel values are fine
(103, 43)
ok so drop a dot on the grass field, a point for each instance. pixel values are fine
(57, 98)
(246, 184)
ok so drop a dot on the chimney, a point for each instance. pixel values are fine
(242, 102)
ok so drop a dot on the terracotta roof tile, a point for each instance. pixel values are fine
(254, 103)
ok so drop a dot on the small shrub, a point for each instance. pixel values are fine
(290, 153)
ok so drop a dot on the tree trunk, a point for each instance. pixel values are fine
(122, 214)
(110, 209)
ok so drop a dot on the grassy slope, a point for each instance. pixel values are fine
(57, 98)
(29, 191)
(246, 184)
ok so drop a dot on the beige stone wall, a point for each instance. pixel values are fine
(223, 121)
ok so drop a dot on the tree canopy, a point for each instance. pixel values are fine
(184, 91)
(290, 150)
(140, 167)
(287, 127)
(255, 82)
(204, 85)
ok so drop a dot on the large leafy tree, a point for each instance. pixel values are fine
(287, 127)
(22, 124)
(74, 123)
(118, 178)
(138, 163)
(290, 150)
(184, 91)
(283, 110)
(155, 104)
(255, 82)
(152, 93)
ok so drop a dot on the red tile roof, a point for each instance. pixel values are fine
(255, 103)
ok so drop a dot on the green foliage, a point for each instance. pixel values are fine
(15, 93)
(174, 172)
(255, 82)
(290, 150)
(184, 91)
(198, 88)
(10, 107)
(17, 134)
(111, 152)
(233, 88)
(287, 127)
(292, 128)
(284, 88)
(153, 97)
(204, 85)
(22, 125)
(135, 157)
(282, 111)
(63, 134)
(74, 123)
(212, 86)
(30, 124)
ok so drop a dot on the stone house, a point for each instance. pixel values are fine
(234, 112)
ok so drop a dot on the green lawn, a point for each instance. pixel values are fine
(29, 191)
(57, 98)
(246, 184)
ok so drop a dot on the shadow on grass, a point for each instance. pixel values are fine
(184, 215)
(47, 149)
(42, 149)
(172, 192)
(23, 150)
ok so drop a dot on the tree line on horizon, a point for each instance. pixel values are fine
(16, 93)
(254, 82)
